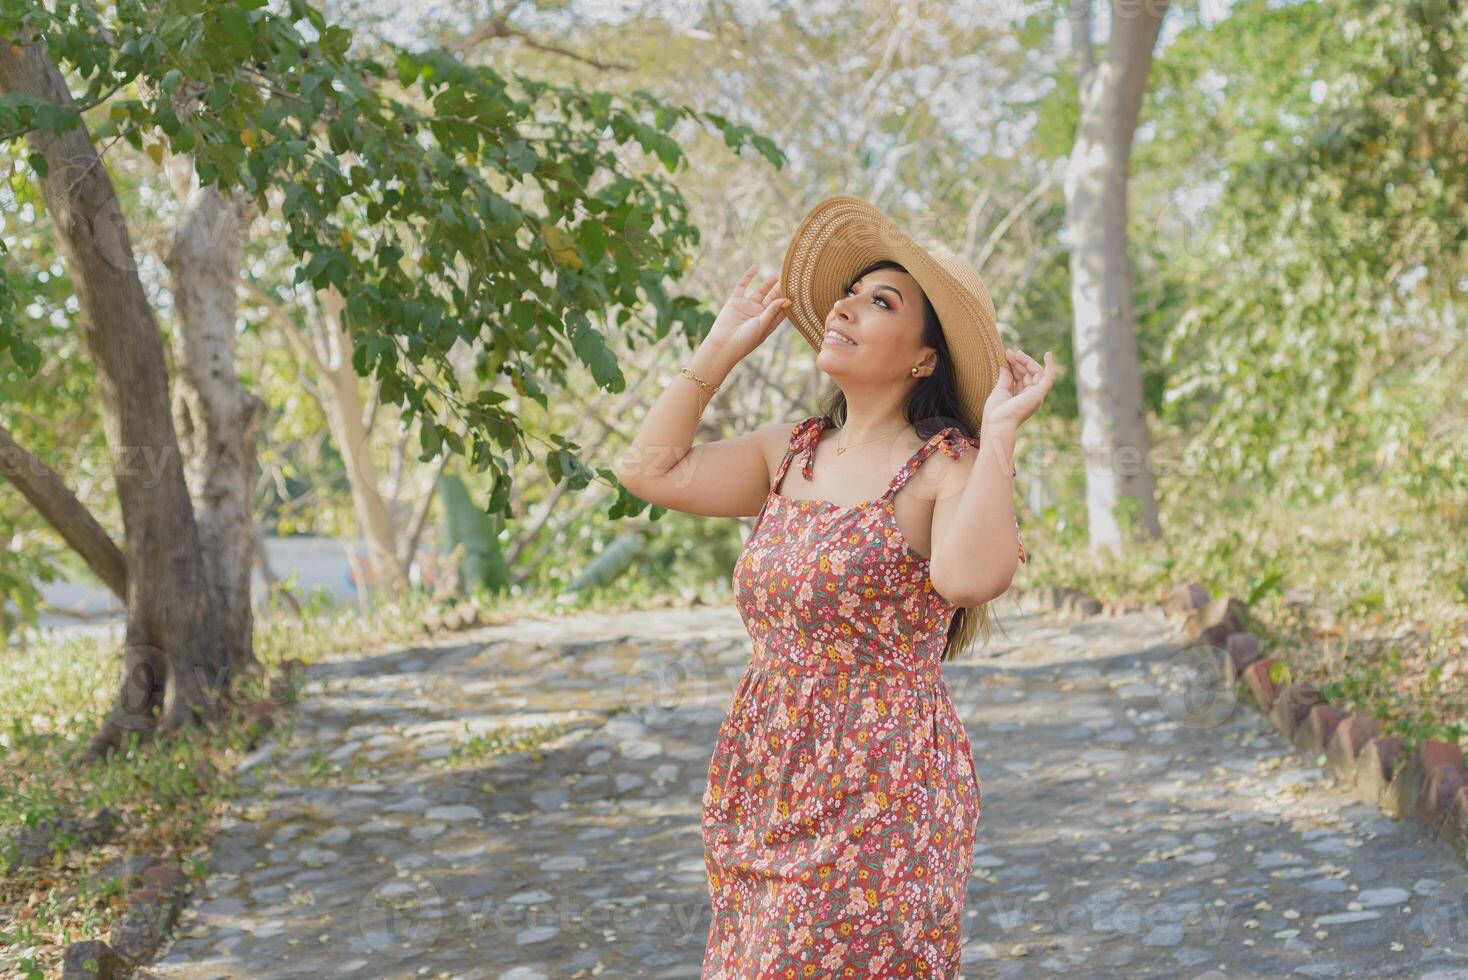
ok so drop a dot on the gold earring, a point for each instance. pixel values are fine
(914, 372)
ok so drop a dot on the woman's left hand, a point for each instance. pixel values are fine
(1021, 387)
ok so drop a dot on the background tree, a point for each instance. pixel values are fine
(1113, 433)
(423, 157)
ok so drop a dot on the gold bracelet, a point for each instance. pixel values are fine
(702, 383)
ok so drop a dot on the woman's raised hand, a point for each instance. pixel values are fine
(746, 320)
(1021, 387)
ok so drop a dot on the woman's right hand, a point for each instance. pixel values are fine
(745, 321)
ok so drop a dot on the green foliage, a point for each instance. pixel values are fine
(19, 349)
(1312, 345)
(1375, 571)
(42, 379)
(1054, 111)
(169, 793)
(445, 202)
(468, 527)
(1398, 698)
(21, 574)
(611, 561)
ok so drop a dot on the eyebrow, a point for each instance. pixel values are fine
(883, 285)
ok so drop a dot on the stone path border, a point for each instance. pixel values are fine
(1428, 784)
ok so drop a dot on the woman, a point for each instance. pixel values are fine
(842, 801)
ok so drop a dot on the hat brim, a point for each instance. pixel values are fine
(842, 235)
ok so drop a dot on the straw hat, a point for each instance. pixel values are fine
(841, 236)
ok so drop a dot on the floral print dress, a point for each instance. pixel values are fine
(842, 801)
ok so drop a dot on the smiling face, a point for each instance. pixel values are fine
(875, 330)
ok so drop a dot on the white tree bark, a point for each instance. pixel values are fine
(1114, 437)
(345, 416)
(217, 419)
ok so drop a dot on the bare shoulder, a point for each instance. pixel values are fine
(775, 440)
(946, 471)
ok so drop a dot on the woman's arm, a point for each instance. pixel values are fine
(975, 543)
(975, 549)
(727, 478)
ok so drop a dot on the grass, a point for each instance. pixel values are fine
(503, 741)
(1362, 595)
(171, 795)
(168, 795)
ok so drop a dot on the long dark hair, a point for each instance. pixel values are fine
(930, 408)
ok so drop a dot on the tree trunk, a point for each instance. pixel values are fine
(344, 413)
(1114, 438)
(218, 420)
(175, 661)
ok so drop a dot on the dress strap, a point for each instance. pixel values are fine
(951, 440)
(803, 439)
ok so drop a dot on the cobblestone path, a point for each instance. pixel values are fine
(404, 833)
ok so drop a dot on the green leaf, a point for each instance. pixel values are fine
(430, 440)
(667, 151)
(27, 356)
(769, 150)
(593, 238)
(520, 158)
(406, 67)
(228, 28)
(56, 119)
(167, 121)
(593, 352)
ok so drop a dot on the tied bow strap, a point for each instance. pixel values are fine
(954, 444)
(810, 437)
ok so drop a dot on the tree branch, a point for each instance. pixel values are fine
(40, 485)
(499, 26)
(420, 519)
(82, 107)
(282, 318)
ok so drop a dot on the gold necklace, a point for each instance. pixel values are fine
(842, 449)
